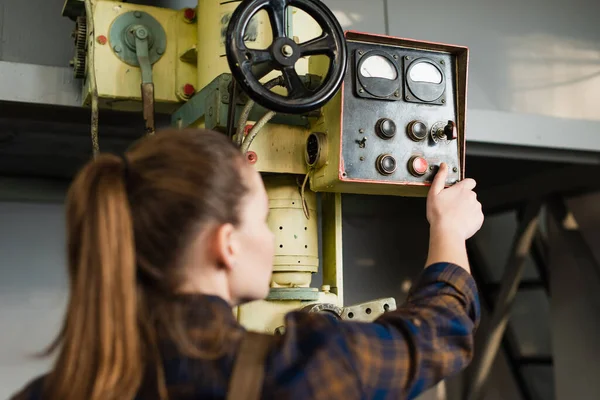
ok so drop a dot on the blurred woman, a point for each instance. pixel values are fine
(164, 241)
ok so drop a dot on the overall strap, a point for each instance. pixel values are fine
(249, 370)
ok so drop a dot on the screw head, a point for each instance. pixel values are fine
(102, 40)
(397, 93)
(360, 52)
(362, 158)
(395, 56)
(361, 90)
(443, 101)
(407, 97)
(117, 48)
(361, 130)
(251, 157)
(189, 90)
(160, 51)
(442, 62)
(137, 14)
(189, 14)
(454, 169)
(141, 33)
(407, 58)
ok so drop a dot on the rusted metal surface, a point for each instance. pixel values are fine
(148, 102)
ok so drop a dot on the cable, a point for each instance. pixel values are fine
(89, 10)
(248, 108)
(255, 129)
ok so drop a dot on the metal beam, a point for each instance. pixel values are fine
(479, 269)
(564, 180)
(487, 134)
(510, 282)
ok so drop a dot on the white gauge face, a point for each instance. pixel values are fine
(378, 67)
(425, 72)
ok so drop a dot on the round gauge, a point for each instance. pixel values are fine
(378, 67)
(378, 75)
(425, 80)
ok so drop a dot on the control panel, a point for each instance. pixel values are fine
(399, 115)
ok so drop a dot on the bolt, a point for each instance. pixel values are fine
(397, 93)
(362, 158)
(431, 167)
(117, 48)
(141, 33)
(251, 157)
(361, 130)
(360, 52)
(443, 101)
(137, 14)
(188, 90)
(102, 40)
(395, 56)
(442, 62)
(407, 97)
(287, 50)
(189, 14)
(160, 51)
(361, 90)
(407, 58)
(454, 169)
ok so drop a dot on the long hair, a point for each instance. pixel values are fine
(127, 225)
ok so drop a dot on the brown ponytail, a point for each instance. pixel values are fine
(100, 343)
(127, 230)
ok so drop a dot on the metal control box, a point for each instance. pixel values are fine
(400, 113)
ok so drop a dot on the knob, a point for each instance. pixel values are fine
(450, 130)
(417, 166)
(385, 164)
(385, 128)
(417, 130)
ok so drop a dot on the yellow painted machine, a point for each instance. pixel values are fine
(316, 109)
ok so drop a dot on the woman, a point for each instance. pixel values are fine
(164, 241)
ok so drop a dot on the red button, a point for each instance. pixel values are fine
(418, 165)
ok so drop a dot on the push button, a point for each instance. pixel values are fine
(385, 164)
(418, 166)
(385, 128)
(417, 131)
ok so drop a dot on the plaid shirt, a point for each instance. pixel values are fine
(399, 356)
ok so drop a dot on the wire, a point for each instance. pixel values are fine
(239, 139)
(255, 129)
(89, 10)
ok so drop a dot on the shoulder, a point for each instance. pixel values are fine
(31, 391)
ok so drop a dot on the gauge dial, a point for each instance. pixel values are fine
(378, 67)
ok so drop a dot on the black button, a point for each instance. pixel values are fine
(386, 164)
(386, 128)
(417, 130)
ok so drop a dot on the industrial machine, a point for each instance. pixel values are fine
(316, 109)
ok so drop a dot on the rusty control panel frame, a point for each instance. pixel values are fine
(329, 170)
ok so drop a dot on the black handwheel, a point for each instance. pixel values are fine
(248, 66)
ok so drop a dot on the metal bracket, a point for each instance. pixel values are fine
(212, 103)
(369, 311)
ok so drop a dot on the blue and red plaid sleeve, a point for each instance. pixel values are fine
(400, 355)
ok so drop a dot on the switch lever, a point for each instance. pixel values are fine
(450, 131)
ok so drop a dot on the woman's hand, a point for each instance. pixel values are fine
(454, 210)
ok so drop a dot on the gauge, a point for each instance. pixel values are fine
(377, 75)
(425, 81)
(425, 72)
(378, 67)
